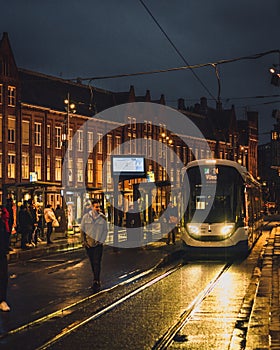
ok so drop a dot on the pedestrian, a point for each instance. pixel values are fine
(61, 218)
(134, 225)
(25, 224)
(4, 250)
(119, 216)
(32, 238)
(10, 208)
(172, 218)
(50, 220)
(93, 234)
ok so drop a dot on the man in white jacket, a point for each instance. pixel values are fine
(49, 218)
(94, 233)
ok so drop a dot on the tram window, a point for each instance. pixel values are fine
(200, 202)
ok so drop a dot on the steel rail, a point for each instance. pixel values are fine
(169, 335)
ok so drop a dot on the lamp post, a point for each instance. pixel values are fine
(168, 141)
(65, 138)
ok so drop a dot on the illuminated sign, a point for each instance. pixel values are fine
(128, 165)
(33, 176)
(211, 174)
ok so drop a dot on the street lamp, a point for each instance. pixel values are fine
(65, 138)
(70, 108)
(166, 139)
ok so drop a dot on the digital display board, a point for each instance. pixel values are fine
(128, 165)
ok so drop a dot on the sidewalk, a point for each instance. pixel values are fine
(264, 323)
(70, 242)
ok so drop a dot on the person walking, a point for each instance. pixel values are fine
(61, 218)
(10, 208)
(93, 234)
(4, 250)
(50, 218)
(134, 226)
(25, 223)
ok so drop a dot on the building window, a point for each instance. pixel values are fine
(11, 96)
(150, 128)
(25, 165)
(1, 128)
(178, 177)
(133, 123)
(80, 140)
(58, 137)
(133, 144)
(48, 136)
(99, 172)
(178, 153)
(90, 171)
(90, 141)
(58, 163)
(274, 135)
(48, 168)
(11, 130)
(4, 67)
(129, 123)
(38, 166)
(80, 172)
(1, 165)
(38, 134)
(145, 145)
(118, 145)
(100, 144)
(109, 144)
(171, 175)
(70, 169)
(150, 146)
(1, 94)
(25, 132)
(11, 166)
(108, 175)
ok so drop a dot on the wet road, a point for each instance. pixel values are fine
(140, 320)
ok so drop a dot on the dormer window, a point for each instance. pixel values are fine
(11, 96)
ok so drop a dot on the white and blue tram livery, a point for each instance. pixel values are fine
(222, 204)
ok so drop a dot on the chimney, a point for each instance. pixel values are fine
(181, 104)
(148, 96)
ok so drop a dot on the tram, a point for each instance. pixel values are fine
(222, 204)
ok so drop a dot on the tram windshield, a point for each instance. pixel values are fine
(223, 204)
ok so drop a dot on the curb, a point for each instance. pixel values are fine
(264, 323)
(42, 250)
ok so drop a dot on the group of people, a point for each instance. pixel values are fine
(94, 231)
(30, 222)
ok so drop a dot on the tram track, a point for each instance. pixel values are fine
(167, 338)
(67, 319)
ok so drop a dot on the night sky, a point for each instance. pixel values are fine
(91, 38)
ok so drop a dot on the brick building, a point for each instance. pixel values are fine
(35, 122)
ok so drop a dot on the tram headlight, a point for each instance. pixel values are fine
(227, 229)
(193, 229)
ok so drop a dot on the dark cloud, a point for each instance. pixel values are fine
(89, 38)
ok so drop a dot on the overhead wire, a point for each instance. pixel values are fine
(194, 66)
(175, 47)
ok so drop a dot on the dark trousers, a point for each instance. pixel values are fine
(24, 237)
(49, 231)
(171, 235)
(3, 277)
(95, 255)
